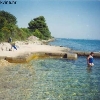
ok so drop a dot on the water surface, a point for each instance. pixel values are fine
(51, 79)
(54, 79)
(78, 44)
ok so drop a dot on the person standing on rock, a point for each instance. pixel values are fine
(9, 40)
(90, 59)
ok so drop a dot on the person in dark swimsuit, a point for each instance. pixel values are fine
(90, 59)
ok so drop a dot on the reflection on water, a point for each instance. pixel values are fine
(51, 79)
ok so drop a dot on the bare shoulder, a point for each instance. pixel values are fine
(88, 57)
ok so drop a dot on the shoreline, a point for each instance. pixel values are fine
(31, 49)
(34, 48)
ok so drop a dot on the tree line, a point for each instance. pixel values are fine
(36, 27)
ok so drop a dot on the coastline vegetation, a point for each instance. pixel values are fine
(8, 28)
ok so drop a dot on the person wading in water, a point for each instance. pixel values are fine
(90, 59)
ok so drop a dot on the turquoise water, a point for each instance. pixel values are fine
(53, 79)
(61, 79)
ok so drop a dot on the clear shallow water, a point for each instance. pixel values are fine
(53, 79)
(78, 44)
(66, 80)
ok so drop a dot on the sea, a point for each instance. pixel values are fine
(57, 78)
(78, 44)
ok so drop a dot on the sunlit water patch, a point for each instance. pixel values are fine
(66, 80)
(51, 79)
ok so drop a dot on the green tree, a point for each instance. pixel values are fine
(8, 28)
(40, 24)
(38, 34)
(27, 31)
(2, 37)
(7, 24)
(9, 17)
(3, 22)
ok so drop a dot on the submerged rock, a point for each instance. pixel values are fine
(4, 63)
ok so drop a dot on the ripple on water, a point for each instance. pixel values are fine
(51, 79)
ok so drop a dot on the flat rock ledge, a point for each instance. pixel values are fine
(38, 55)
(83, 53)
(72, 55)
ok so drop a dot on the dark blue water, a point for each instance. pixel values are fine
(78, 44)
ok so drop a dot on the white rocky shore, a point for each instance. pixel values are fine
(31, 45)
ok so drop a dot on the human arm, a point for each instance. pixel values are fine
(88, 59)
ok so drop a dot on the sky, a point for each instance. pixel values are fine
(78, 19)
